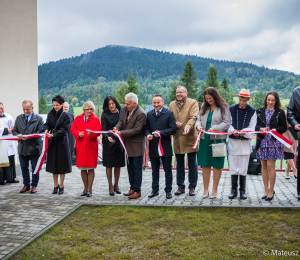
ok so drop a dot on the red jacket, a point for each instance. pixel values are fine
(86, 146)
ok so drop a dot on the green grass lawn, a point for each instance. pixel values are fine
(120, 232)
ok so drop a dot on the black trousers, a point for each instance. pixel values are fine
(192, 164)
(135, 171)
(167, 164)
(8, 173)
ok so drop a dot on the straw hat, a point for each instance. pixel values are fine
(244, 93)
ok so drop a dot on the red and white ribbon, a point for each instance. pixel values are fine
(160, 149)
(44, 150)
(114, 132)
(275, 134)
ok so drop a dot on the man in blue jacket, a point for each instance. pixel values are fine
(160, 123)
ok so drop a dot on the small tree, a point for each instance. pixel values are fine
(133, 86)
(188, 79)
(43, 108)
(121, 92)
(212, 80)
(258, 99)
(226, 92)
(172, 93)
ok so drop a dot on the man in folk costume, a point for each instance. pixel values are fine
(243, 118)
(7, 149)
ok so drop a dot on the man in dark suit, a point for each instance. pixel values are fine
(163, 121)
(130, 126)
(70, 136)
(29, 149)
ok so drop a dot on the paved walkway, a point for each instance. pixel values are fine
(25, 216)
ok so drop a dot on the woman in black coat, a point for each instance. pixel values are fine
(270, 117)
(113, 154)
(58, 155)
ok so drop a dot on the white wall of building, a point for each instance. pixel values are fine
(18, 54)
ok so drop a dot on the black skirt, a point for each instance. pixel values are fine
(288, 156)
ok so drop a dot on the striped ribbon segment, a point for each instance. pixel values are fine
(114, 132)
(44, 150)
(160, 149)
(275, 134)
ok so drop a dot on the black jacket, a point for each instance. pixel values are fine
(278, 121)
(58, 154)
(32, 146)
(293, 108)
(166, 124)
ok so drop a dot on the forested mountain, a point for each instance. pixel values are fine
(103, 69)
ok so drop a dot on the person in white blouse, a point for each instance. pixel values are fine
(243, 118)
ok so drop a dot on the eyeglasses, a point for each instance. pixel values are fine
(89, 109)
(180, 92)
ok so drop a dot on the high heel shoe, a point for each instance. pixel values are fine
(205, 196)
(61, 190)
(270, 198)
(296, 171)
(89, 194)
(117, 191)
(55, 189)
(112, 194)
(84, 193)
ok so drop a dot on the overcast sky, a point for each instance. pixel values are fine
(262, 32)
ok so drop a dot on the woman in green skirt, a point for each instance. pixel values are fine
(214, 115)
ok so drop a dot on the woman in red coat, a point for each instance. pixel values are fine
(86, 144)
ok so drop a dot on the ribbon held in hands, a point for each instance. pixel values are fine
(160, 149)
(275, 134)
(44, 150)
(114, 132)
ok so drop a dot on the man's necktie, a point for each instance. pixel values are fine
(157, 113)
(26, 120)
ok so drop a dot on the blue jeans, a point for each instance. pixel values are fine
(135, 171)
(24, 161)
(193, 175)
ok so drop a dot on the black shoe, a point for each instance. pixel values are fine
(84, 193)
(298, 197)
(270, 198)
(61, 190)
(169, 195)
(55, 189)
(13, 181)
(243, 187)
(117, 191)
(112, 194)
(89, 194)
(153, 194)
(234, 186)
(233, 194)
(295, 176)
(243, 195)
(2, 183)
(263, 197)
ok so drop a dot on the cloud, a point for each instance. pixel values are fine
(263, 32)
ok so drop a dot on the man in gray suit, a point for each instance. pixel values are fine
(29, 149)
(130, 126)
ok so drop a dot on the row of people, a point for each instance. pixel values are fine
(183, 120)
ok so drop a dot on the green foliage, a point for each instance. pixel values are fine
(43, 108)
(226, 92)
(172, 94)
(155, 71)
(258, 100)
(133, 86)
(188, 79)
(120, 93)
(212, 80)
